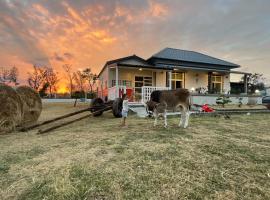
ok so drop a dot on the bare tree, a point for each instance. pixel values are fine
(79, 79)
(36, 79)
(90, 78)
(68, 70)
(4, 72)
(52, 79)
(255, 82)
(9, 75)
(13, 75)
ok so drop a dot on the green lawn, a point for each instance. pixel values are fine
(96, 159)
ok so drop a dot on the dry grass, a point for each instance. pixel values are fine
(95, 159)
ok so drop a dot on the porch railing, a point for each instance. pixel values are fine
(147, 90)
(122, 82)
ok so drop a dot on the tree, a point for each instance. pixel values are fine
(43, 91)
(13, 75)
(51, 79)
(36, 79)
(68, 70)
(79, 79)
(9, 75)
(255, 82)
(90, 78)
(223, 100)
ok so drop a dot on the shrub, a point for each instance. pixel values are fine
(222, 100)
(78, 95)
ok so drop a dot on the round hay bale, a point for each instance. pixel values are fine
(32, 104)
(11, 109)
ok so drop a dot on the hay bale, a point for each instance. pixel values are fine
(32, 105)
(11, 109)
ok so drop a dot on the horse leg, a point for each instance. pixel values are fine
(186, 111)
(187, 119)
(165, 119)
(181, 122)
(156, 118)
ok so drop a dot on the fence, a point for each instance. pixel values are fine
(147, 90)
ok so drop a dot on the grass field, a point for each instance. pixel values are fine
(214, 158)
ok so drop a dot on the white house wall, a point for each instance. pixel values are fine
(226, 83)
(195, 79)
(160, 78)
(104, 76)
(129, 74)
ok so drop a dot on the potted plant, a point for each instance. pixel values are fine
(222, 100)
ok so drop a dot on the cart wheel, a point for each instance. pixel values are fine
(117, 107)
(97, 102)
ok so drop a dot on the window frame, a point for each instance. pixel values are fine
(214, 82)
(174, 79)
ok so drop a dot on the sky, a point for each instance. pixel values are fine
(87, 33)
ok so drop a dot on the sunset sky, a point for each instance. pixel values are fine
(87, 33)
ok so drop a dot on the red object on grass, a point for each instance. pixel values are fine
(206, 108)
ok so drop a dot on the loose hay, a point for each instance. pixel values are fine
(32, 105)
(11, 108)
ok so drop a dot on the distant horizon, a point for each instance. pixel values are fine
(89, 33)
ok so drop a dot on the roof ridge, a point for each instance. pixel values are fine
(195, 52)
(179, 49)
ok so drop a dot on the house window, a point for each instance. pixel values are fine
(142, 81)
(217, 83)
(177, 80)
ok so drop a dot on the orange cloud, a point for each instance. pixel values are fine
(88, 33)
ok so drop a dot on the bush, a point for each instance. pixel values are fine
(222, 100)
(78, 95)
(240, 102)
(91, 95)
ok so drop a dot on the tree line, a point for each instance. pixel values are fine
(45, 79)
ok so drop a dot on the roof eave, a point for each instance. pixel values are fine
(181, 62)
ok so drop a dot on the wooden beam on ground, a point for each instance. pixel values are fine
(108, 108)
(53, 120)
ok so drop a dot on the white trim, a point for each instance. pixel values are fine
(147, 90)
(170, 80)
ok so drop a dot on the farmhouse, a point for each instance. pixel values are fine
(168, 69)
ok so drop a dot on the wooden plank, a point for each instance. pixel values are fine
(53, 120)
(108, 108)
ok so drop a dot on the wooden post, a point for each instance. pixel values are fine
(210, 88)
(116, 82)
(170, 80)
(245, 84)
